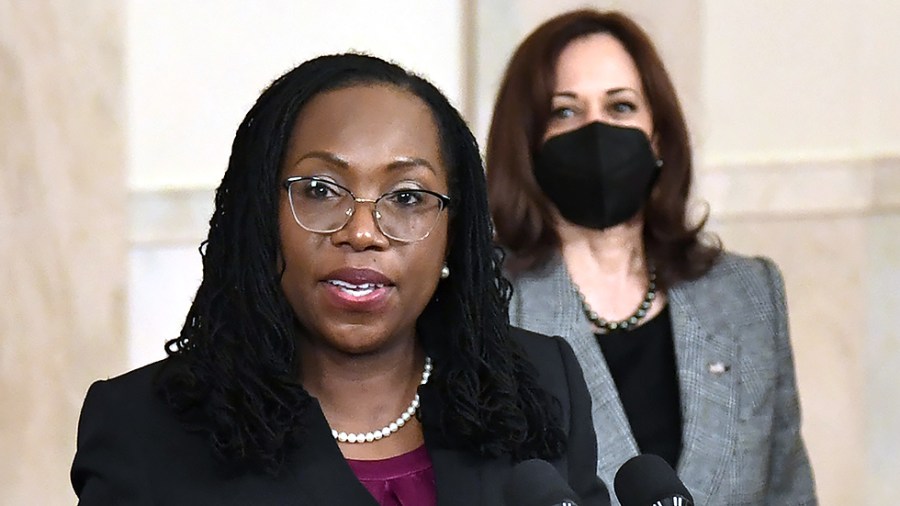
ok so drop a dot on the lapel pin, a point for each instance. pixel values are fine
(718, 368)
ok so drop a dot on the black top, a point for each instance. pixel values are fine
(642, 364)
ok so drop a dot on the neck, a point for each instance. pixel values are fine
(616, 252)
(609, 268)
(361, 393)
(357, 383)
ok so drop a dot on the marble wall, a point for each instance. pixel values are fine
(62, 232)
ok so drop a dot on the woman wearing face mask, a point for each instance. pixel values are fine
(685, 347)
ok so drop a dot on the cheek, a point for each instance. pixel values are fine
(428, 260)
(285, 219)
(297, 250)
(292, 278)
(298, 284)
(443, 238)
(645, 123)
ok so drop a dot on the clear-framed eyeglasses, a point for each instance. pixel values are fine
(324, 207)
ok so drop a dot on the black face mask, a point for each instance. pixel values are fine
(599, 175)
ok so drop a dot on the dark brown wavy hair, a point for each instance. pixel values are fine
(522, 214)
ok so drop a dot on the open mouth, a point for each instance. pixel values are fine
(355, 290)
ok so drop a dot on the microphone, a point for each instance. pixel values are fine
(648, 480)
(536, 482)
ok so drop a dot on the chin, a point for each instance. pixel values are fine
(358, 342)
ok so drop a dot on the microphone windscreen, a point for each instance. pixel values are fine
(536, 482)
(646, 479)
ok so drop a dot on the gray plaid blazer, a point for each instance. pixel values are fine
(741, 422)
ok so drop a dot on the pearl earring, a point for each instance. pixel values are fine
(659, 162)
(445, 272)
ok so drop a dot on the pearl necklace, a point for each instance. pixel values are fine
(632, 321)
(387, 430)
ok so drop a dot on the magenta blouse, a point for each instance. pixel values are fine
(404, 480)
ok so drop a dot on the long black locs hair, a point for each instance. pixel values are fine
(233, 373)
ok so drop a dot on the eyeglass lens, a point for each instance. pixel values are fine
(325, 207)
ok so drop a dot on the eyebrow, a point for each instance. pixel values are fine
(612, 91)
(406, 162)
(399, 163)
(326, 156)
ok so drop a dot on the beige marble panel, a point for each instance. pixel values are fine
(62, 232)
(801, 187)
(883, 358)
(839, 272)
(800, 79)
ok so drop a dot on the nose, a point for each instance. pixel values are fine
(595, 113)
(361, 231)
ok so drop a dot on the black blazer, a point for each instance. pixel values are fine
(132, 450)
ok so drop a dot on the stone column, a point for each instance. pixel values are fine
(62, 231)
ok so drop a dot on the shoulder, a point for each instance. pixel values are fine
(141, 377)
(542, 350)
(739, 296)
(540, 296)
(751, 270)
(126, 400)
(552, 358)
(736, 284)
(735, 263)
(544, 272)
(132, 388)
(122, 425)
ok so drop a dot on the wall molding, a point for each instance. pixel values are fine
(801, 189)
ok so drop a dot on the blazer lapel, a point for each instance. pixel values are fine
(457, 476)
(705, 352)
(550, 301)
(323, 474)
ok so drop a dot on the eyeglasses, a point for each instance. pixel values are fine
(324, 207)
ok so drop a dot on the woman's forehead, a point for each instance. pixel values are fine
(367, 125)
(596, 63)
